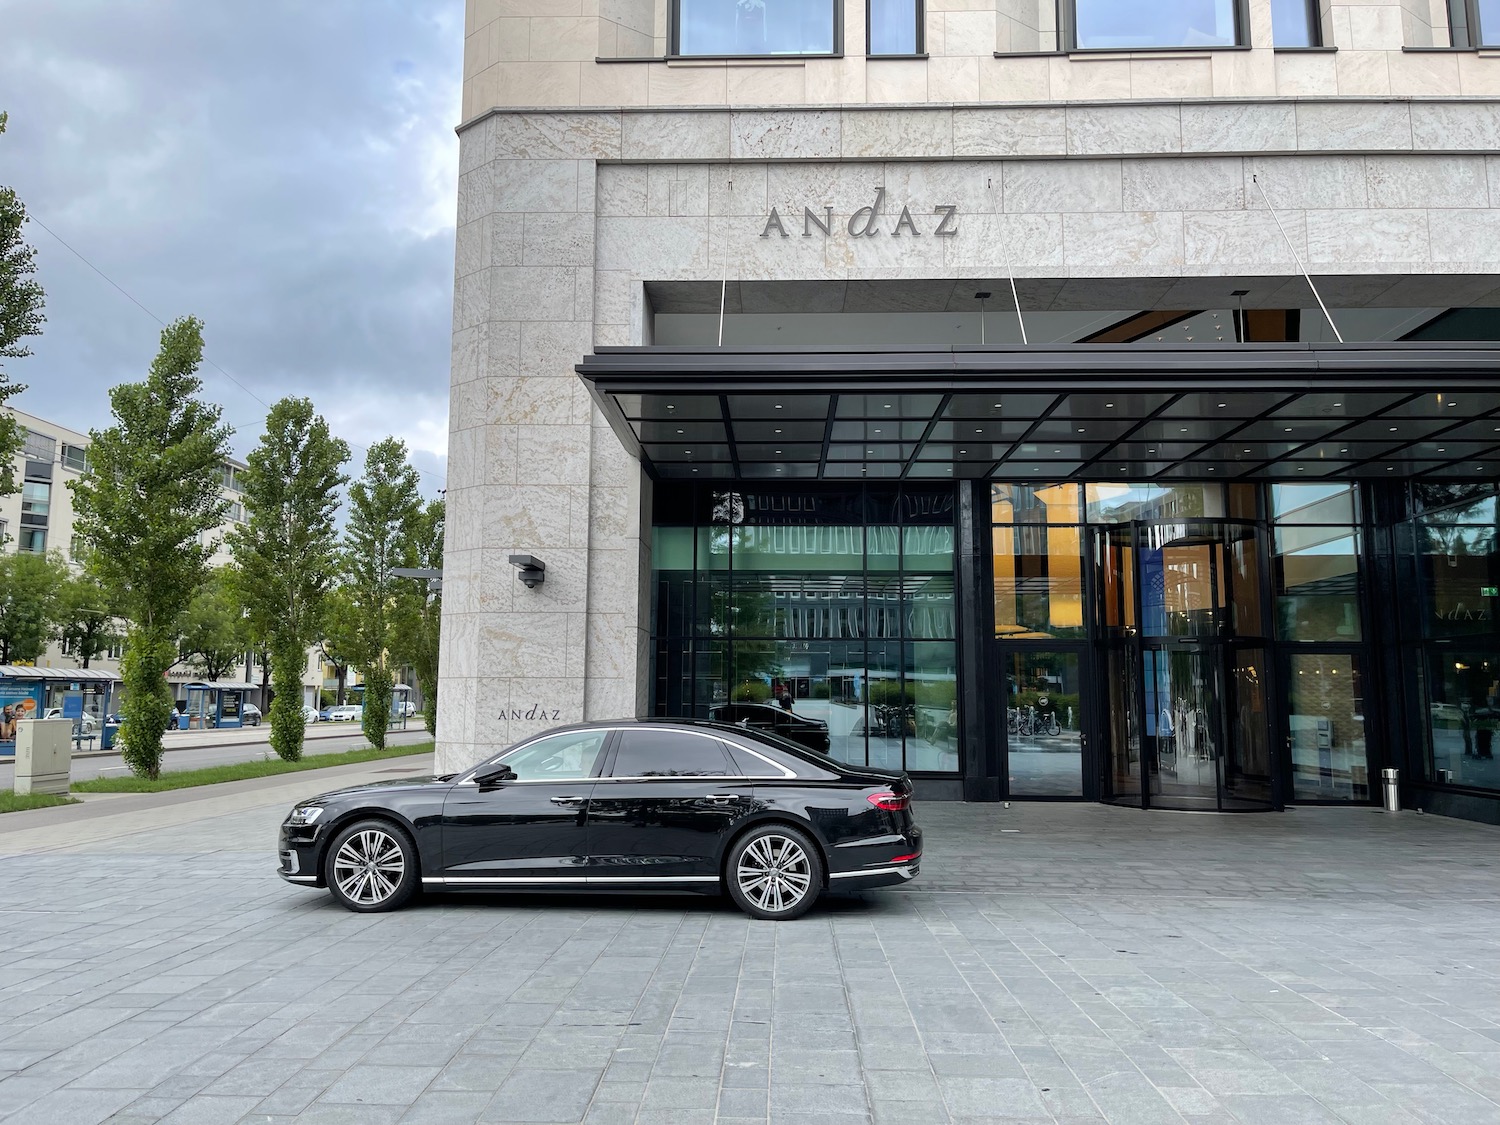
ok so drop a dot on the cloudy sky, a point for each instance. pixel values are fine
(283, 169)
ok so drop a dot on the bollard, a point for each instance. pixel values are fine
(1390, 783)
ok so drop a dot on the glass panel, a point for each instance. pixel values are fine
(1489, 23)
(1038, 581)
(1043, 717)
(672, 548)
(1317, 584)
(1037, 503)
(665, 753)
(1314, 503)
(1121, 503)
(1182, 717)
(889, 714)
(755, 27)
(1293, 24)
(1326, 726)
(1121, 686)
(932, 684)
(1247, 756)
(1242, 556)
(1114, 562)
(1460, 569)
(1182, 580)
(1121, 24)
(893, 27)
(927, 604)
(1463, 711)
(560, 757)
(928, 548)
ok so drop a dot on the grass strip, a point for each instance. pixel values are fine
(240, 771)
(11, 801)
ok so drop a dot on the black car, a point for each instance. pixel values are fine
(632, 805)
(812, 733)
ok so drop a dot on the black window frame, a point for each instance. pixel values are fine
(674, 39)
(1466, 28)
(919, 13)
(1319, 36)
(1067, 33)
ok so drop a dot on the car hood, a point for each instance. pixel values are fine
(374, 788)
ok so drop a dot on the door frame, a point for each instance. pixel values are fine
(1080, 648)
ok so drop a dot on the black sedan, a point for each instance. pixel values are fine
(632, 805)
(812, 733)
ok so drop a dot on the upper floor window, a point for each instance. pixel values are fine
(1474, 23)
(1123, 25)
(896, 27)
(39, 446)
(33, 541)
(754, 27)
(75, 457)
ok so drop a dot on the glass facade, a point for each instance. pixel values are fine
(1113, 25)
(1194, 646)
(895, 27)
(754, 27)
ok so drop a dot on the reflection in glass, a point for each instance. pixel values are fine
(1122, 503)
(1034, 503)
(1182, 699)
(1044, 714)
(1488, 34)
(1314, 503)
(1247, 750)
(1460, 568)
(1038, 581)
(1317, 584)
(755, 27)
(1463, 713)
(1119, 24)
(1326, 725)
(893, 27)
(1294, 24)
(888, 711)
(1121, 687)
(932, 735)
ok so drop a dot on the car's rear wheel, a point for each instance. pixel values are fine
(774, 872)
(372, 866)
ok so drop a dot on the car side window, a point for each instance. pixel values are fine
(747, 764)
(558, 757)
(667, 753)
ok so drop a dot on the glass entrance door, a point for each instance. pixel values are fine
(1180, 619)
(1044, 721)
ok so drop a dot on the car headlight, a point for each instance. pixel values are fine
(303, 815)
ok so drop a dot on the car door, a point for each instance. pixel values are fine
(528, 829)
(664, 807)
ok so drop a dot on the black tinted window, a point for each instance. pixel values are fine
(747, 764)
(665, 753)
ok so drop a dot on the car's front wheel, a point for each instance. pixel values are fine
(372, 866)
(774, 872)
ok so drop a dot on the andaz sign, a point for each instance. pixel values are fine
(866, 222)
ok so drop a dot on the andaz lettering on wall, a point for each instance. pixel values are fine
(535, 711)
(866, 222)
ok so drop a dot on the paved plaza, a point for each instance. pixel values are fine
(1055, 963)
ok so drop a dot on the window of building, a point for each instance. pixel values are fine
(36, 500)
(32, 541)
(755, 27)
(896, 27)
(39, 446)
(1294, 23)
(75, 457)
(1122, 25)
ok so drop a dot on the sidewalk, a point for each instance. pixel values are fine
(241, 736)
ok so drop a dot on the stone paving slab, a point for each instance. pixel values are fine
(1060, 964)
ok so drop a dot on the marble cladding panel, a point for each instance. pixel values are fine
(836, 81)
(1245, 74)
(557, 240)
(501, 464)
(1424, 181)
(470, 354)
(617, 294)
(524, 640)
(916, 133)
(893, 81)
(564, 37)
(1240, 241)
(613, 699)
(1015, 80)
(972, 186)
(1346, 125)
(1183, 185)
(664, 136)
(1010, 131)
(1367, 239)
(776, 135)
(535, 293)
(606, 86)
(529, 185)
(1363, 73)
(1306, 182)
(1455, 126)
(1238, 127)
(1109, 130)
(650, 245)
(844, 187)
(464, 526)
(471, 300)
(1172, 78)
(1088, 79)
(953, 80)
(555, 136)
(554, 455)
(996, 244)
(1128, 243)
(695, 84)
(1478, 76)
(738, 189)
(1418, 75)
(767, 85)
(1492, 167)
(1306, 75)
(613, 637)
(1093, 185)
(1466, 238)
(466, 457)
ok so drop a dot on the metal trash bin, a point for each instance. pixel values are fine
(107, 738)
(1390, 785)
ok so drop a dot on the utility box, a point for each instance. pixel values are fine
(44, 756)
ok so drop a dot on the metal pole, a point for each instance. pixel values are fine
(1390, 783)
(1296, 257)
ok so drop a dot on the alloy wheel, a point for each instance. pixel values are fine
(774, 872)
(369, 867)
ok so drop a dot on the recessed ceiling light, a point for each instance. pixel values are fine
(671, 407)
(778, 431)
(1150, 451)
(1210, 468)
(1222, 405)
(869, 451)
(1080, 429)
(979, 431)
(778, 406)
(1338, 404)
(1247, 451)
(1344, 450)
(888, 406)
(1393, 429)
(680, 431)
(1390, 468)
(963, 451)
(1109, 404)
(1441, 449)
(1183, 430)
(695, 470)
(997, 406)
(1453, 404)
(1057, 451)
(1300, 469)
(689, 452)
(1288, 429)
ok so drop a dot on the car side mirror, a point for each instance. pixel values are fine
(496, 776)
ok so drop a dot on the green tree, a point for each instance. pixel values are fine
(288, 551)
(29, 586)
(214, 639)
(85, 622)
(339, 636)
(420, 606)
(21, 303)
(152, 492)
(382, 505)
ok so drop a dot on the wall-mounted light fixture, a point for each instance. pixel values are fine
(533, 570)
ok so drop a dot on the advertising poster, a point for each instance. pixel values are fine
(17, 702)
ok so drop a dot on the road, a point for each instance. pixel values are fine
(186, 750)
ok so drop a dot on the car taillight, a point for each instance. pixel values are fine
(889, 800)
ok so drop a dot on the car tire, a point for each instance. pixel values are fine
(774, 872)
(371, 867)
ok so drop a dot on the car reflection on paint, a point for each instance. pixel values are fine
(632, 805)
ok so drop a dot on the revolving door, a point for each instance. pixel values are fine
(1182, 629)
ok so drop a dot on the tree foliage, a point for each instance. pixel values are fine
(29, 587)
(382, 505)
(288, 551)
(150, 495)
(339, 635)
(85, 622)
(214, 636)
(420, 608)
(21, 303)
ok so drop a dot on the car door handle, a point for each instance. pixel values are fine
(722, 798)
(568, 802)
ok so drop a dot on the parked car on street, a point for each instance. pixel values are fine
(635, 804)
(310, 715)
(250, 715)
(86, 724)
(405, 708)
(812, 733)
(341, 714)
